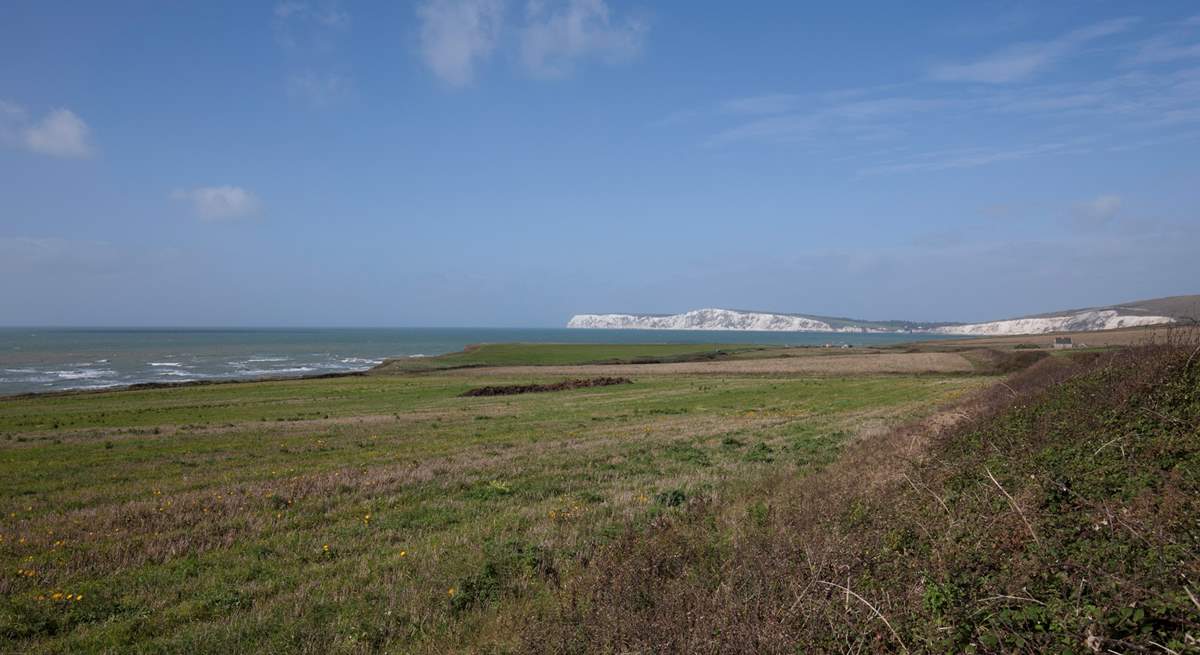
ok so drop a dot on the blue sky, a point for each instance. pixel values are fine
(510, 163)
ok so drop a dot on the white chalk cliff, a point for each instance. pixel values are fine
(1106, 319)
(728, 319)
(708, 319)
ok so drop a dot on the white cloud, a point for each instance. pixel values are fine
(553, 40)
(1022, 61)
(60, 133)
(219, 203)
(456, 35)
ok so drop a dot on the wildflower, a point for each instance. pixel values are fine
(404, 553)
(450, 592)
(325, 548)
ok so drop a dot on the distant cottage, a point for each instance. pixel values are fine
(1063, 342)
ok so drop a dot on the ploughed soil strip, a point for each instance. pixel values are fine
(565, 385)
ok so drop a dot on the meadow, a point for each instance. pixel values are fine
(1054, 512)
(385, 513)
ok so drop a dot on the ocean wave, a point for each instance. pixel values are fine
(82, 374)
(164, 364)
(360, 360)
(280, 371)
(268, 359)
(104, 385)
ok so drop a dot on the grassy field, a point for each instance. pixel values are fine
(1057, 514)
(521, 354)
(382, 513)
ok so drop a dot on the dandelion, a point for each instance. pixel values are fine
(404, 553)
(450, 592)
(325, 548)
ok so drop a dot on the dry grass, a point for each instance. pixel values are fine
(195, 519)
(1005, 525)
(868, 364)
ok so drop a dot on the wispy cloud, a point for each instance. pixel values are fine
(54, 256)
(774, 103)
(781, 128)
(319, 89)
(308, 27)
(1097, 212)
(1022, 61)
(555, 38)
(219, 203)
(970, 158)
(457, 35)
(59, 133)
(876, 127)
(308, 33)
(551, 38)
(1183, 42)
(774, 122)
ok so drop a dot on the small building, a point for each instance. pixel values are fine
(1063, 342)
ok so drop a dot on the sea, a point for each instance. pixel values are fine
(56, 359)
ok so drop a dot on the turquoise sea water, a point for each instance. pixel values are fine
(51, 359)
